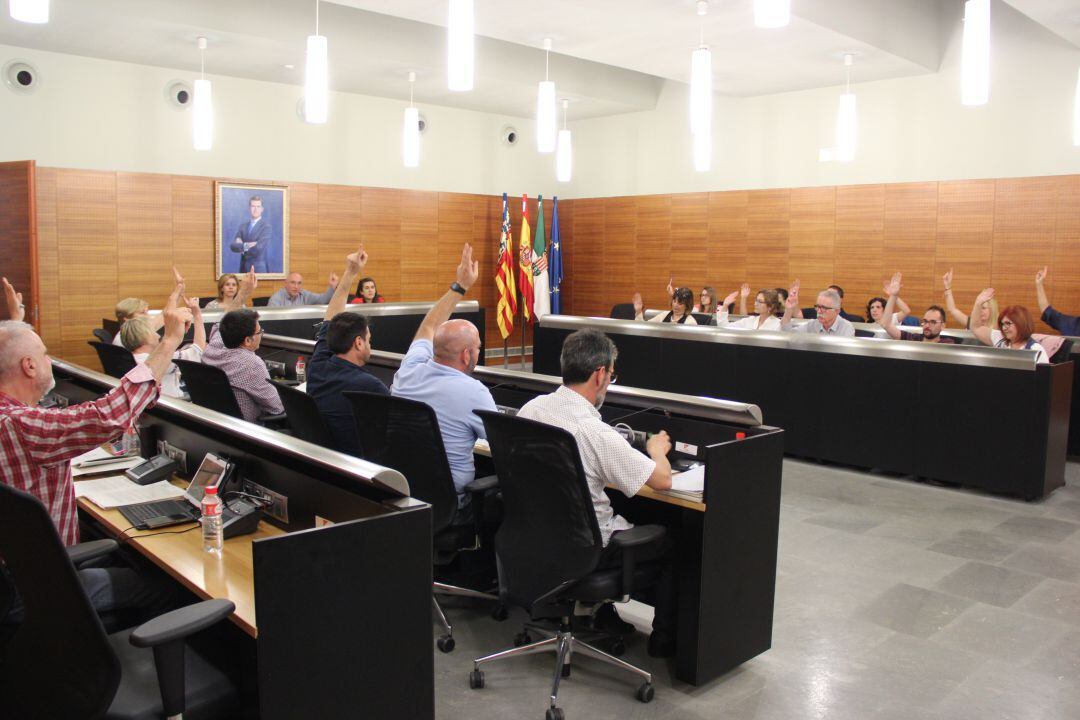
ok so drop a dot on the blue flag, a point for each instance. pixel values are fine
(555, 276)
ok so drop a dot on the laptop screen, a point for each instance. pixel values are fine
(209, 473)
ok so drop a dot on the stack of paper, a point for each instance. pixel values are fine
(689, 483)
(100, 460)
(110, 492)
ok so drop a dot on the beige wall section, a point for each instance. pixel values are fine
(102, 115)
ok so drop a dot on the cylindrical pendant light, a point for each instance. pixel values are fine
(846, 118)
(29, 11)
(975, 55)
(564, 152)
(772, 13)
(316, 80)
(460, 46)
(546, 120)
(701, 90)
(202, 111)
(410, 131)
(1076, 113)
(702, 151)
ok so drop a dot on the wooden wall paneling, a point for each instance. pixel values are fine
(1025, 214)
(48, 261)
(341, 212)
(1063, 283)
(812, 240)
(619, 257)
(86, 231)
(144, 237)
(193, 234)
(860, 220)
(304, 236)
(727, 240)
(689, 242)
(768, 227)
(965, 236)
(588, 258)
(419, 245)
(652, 262)
(18, 225)
(380, 231)
(911, 240)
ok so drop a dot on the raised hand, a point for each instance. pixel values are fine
(893, 286)
(731, 297)
(793, 297)
(16, 310)
(794, 289)
(744, 291)
(639, 305)
(192, 304)
(468, 270)
(985, 296)
(1040, 276)
(333, 280)
(251, 280)
(357, 260)
(946, 279)
(176, 322)
(671, 287)
(177, 277)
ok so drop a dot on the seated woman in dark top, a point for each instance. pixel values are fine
(681, 303)
(366, 292)
(1064, 324)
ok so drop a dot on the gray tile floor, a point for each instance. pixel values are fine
(894, 600)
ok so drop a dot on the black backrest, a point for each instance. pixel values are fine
(204, 301)
(404, 435)
(260, 301)
(115, 360)
(859, 332)
(623, 311)
(704, 318)
(102, 335)
(58, 663)
(304, 417)
(549, 535)
(1063, 352)
(209, 386)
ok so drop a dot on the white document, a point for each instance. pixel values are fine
(117, 490)
(115, 465)
(689, 481)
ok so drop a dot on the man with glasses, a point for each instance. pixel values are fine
(933, 320)
(588, 368)
(232, 346)
(828, 320)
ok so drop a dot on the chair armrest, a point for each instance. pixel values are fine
(180, 623)
(279, 420)
(638, 535)
(84, 552)
(482, 484)
(638, 544)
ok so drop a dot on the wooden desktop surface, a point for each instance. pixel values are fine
(482, 448)
(181, 555)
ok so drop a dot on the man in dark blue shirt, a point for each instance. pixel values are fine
(1064, 324)
(342, 346)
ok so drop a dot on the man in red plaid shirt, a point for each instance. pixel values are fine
(37, 444)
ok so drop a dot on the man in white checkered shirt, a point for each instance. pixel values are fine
(588, 368)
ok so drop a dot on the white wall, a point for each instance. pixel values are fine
(910, 129)
(106, 115)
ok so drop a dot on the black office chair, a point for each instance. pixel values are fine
(1063, 352)
(209, 386)
(304, 417)
(622, 311)
(404, 435)
(549, 545)
(704, 318)
(115, 360)
(859, 332)
(204, 301)
(102, 335)
(260, 301)
(59, 663)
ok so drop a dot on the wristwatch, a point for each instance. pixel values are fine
(457, 288)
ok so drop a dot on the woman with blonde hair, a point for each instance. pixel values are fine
(987, 311)
(227, 287)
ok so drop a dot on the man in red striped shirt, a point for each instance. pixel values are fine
(37, 444)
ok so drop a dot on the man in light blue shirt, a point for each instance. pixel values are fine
(294, 294)
(437, 370)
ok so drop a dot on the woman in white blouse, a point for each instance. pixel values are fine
(766, 305)
(1016, 328)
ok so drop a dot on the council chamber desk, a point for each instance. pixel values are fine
(974, 416)
(333, 596)
(726, 541)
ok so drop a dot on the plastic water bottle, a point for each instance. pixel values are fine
(211, 521)
(301, 370)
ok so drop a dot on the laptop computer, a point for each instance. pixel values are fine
(161, 513)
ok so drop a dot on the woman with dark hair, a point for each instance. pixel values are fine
(366, 292)
(766, 305)
(782, 295)
(1016, 326)
(876, 306)
(682, 301)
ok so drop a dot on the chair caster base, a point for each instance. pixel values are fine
(500, 613)
(476, 679)
(566, 670)
(645, 693)
(554, 713)
(522, 638)
(445, 643)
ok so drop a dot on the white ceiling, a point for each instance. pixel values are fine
(609, 57)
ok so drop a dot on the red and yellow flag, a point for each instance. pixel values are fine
(525, 253)
(504, 278)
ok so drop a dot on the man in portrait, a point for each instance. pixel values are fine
(252, 239)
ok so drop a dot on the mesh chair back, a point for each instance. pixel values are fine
(623, 311)
(58, 663)
(304, 417)
(404, 435)
(549, 536)
(115, 360)
(102, 335)
(209, 386)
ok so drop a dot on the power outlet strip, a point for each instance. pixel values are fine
(278, 507)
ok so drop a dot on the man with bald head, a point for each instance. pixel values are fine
(294, 294)
(437, 370)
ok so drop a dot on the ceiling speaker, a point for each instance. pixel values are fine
(509, 135)
(21, 77)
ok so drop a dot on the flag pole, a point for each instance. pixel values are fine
(506, 355)
(523, 339)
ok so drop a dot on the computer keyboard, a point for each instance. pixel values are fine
(139, 514)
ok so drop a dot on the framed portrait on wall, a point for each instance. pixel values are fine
(252, 229)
